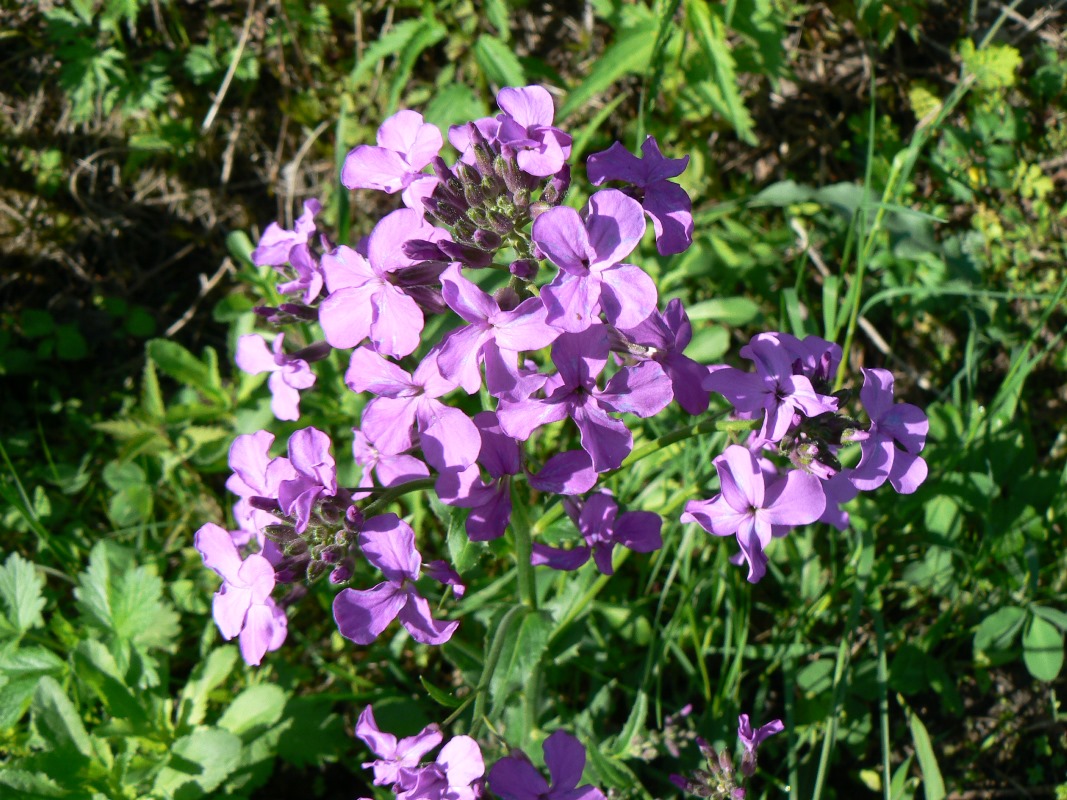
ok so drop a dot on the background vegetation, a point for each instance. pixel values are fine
(890, 176)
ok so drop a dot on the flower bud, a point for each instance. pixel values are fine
(524, 268)
(315, 351)
(341, 574)
(422, 250)
(265, 504)
(280, 534)
(499, 223)
(557, 187)
(296, 547)
(315, 571)
(487, 240)
(353, 521)
(473, 257)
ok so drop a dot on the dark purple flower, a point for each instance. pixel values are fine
(897, 435)
(667, 335)
(749, 509)
(243, 605)
(515, 778)
(394, 756)
(289, 374)
(599, 522)
(588, 253)
(389, 544)
(665, 202)
(406, 145)
(752, 739)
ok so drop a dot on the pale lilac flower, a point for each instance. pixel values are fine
(523, 328)
(316, 475)
(394, 756)
(526, 127)
(289, 374)
(242, 606)
(667, 335)
(276, 243)
(580, 357)
(448, 438)
(406, 145)
(665, 202)
(599, 522)
(588, 253)
(389, 544)
(392, 469)
(364, 299)
(772, 388)
(458, 765)
(256, 474)
(749, 509)
(515, 778)
(890, 449)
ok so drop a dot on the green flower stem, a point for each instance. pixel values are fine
(520, 530)
(681, 434)
(495, 649)
(389, 495)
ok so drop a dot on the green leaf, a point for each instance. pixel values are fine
(732, 311)
(635, 724)
(994, 65)
(387, 45)
(208, 674)
(440, 696)
(254, 709)
(56, 716)
(240, 247)
(998, 630)
(128, 604)
(429, 33)
(630, 54)
(96, 667)
(933, 784)
(523, 648)
(184, 367)
(499, 62)
(454, 104)
(1056, 617)
(1043, 649)
(462, 552)
(198, 763)
(20, 592)
(30, 662)
(28, 785)
(710, 32)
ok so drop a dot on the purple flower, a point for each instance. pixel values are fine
(515, 778)
(752, 739)
(448, 438)
(665, 202)
(276, 243)
(289, 374)
(749, 509)
(523, 328)
(458, 765)
(394, 756)
(406, 144)
(364, 300)
(896, 436)
(588, 253)
(773, 388)
(666, 335)
(316, 475)
(526, 127)
(392, 469)
(256, 474)
(570, 472)
(389, 544)
(243, 605)
(580, 357)
(598, 520)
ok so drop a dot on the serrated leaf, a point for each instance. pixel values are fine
(207, 675)
(55, 714)
(998, 630)
(128, 605)
(20, 592)
(96, 667)
(27, 785)
(994, 65)
(15, 698)
(254, 709)
(499, 62)
(710, 32)
(1043, 649)
(388, 45)
(123, 429)
(30, 662)
(203, 759)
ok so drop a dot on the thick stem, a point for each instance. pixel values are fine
(520, 530)
(391, 494)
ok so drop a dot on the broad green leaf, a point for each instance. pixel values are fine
(187, 369)
(256, 707)
(24, 662)
(607, 772)
(198, 763)
(240, 247)
(20, 593)
(208, 674)
(96, 667)
(1043, 649)
(128, 604)
(994, 65)
(732, 311)
(998, 630)
(498, 62)
(523, 648)
(28, 785)
(1056, 617)
(933, 784)
(15, 697)
(58, 720)
(462, 552)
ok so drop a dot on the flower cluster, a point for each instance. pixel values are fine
(484, 289)
(719, 781)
